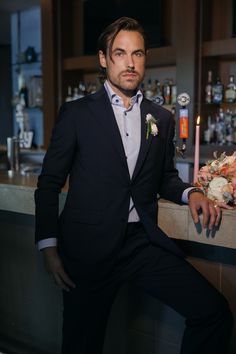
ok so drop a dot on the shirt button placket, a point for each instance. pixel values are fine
(125, 123)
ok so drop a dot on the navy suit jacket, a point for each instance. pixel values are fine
(86, 145)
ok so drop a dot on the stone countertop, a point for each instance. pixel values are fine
(17, 195)
(17, 192)
(182, 226)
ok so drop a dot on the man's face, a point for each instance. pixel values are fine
(125, 65)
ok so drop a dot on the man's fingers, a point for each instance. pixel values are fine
(59, 282)
(66, 279)
(195, 215)
(218, 219)
(212, 216)
(224, 205)
(55, 267)
(206, 217)
(63, 281)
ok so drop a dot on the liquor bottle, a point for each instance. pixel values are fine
(77, 93)
(208, 88)
(228, 127)
(24, 95)
(230, 92)
(91, 88)
(149, 92)
(217, 91)
(157, 94)
(173, 93)
(207, 131)
(234, 126)
(142, 88)
(166, 92)
(82, 89)
(23, 90)
(221, 128)
(69, 94)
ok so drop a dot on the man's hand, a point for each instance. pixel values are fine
(55, 267)
(211, 211)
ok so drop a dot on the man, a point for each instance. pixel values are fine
(116, 147)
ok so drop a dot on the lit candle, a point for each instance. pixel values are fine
(196, 153)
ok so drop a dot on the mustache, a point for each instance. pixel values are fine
(130, 70)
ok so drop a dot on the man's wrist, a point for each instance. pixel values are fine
(195, 190)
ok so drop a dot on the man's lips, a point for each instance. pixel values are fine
(130, 75)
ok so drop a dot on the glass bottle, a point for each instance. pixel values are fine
(207, 131)
(234, 126)
(230, 92)
(217, 91)
(24, 95)
(69, 94)
(208, 88)
(228, 127)
(149, 92)
(167, 92)
(157, 97)
(173, 93)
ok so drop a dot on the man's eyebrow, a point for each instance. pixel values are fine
(120, 49)
(123, 50)
(139, 50)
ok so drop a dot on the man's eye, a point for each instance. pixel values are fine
(139, 54)
(119, 54)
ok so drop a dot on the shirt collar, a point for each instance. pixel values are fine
(117, 100)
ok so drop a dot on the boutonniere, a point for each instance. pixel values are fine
(151, 125)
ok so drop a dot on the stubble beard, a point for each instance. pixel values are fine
(128, 88)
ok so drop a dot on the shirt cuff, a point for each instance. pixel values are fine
(184, 198)
(47, 242)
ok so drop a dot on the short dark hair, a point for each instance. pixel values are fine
(111, 31)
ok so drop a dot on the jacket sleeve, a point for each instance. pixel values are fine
(172, 187)
(55, 170)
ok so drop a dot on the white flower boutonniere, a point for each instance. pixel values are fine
(151, 125)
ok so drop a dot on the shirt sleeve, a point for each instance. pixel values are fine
(47, 242)
(185, 195)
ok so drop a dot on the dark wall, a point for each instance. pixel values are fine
(5, 78)
(5, 93)
(98, 14)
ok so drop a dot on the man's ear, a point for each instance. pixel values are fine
(102, 59)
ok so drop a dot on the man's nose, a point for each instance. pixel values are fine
(130, 62)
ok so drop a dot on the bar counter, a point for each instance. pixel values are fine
(16, 195)
(30, 304)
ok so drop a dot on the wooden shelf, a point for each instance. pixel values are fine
(222, 47)
(163, 56)
(86, 62)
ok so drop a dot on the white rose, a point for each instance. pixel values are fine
(215, 188)
(154, 129)
(228, 160)
(149, 117)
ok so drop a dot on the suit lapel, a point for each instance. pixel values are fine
(103, 110)
(145, 143)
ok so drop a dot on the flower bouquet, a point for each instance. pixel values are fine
(218, 179)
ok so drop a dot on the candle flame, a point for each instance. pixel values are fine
(198, 120)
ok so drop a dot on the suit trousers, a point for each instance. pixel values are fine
(167, 277)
